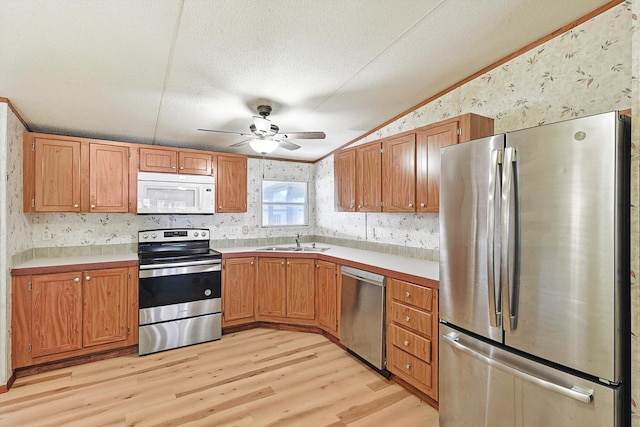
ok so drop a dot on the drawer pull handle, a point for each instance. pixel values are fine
(407, 294)
(408, 366)
(406, 343)
(408, 319)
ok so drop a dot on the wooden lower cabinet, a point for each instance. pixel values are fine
(328, 295)
(286, 290)
(412, 334)
(238, 291)
(62, 315)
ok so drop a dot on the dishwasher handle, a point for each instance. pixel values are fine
(365, 276)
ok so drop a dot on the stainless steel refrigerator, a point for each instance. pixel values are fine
(534, 277)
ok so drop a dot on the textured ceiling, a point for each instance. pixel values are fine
(155, 71)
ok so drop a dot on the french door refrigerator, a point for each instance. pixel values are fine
(534, 277)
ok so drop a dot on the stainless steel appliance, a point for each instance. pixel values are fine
(171, 193)
(362, 315)
(534, 286)
(179, 287)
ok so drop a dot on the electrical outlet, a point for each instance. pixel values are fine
(46, 235)
(245, 229)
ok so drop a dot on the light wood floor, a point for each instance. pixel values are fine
(259, 377)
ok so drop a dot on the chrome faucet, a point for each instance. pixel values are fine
(297, 239)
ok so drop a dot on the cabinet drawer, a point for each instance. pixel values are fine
(403, 364)
(415, 319)
(408, 293)
(410, 342)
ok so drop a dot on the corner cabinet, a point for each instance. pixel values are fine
(231, 185)
(63, 315)
(63, 174)
(286, 289)
(238, 291)
(412, 335)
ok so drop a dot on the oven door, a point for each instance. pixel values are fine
(179, 290)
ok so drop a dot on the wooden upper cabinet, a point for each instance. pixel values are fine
(238, 294)
(300, 288)
(57, 176)
(158, 160)
(429, 143)
(399, 174)
(194, 163)
(369, 177)
(345, 181)
(231, 185)
(105, 306)
(56, 323)
(108, 178)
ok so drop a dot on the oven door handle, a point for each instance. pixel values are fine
(175, 271)
(180, 264)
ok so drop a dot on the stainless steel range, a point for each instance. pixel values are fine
(179, 289)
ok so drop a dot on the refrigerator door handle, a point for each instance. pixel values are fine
(576, 393)
(509, 308)
(494, 305)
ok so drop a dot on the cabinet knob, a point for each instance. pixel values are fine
(77, 279)
(173, 167)
(219, 207)
(407, 294)
(93, 206)
(359, 206)
(406, 343)
(408, 366)
(408, 319)
(87, 278)
(251, 262)
(281, 262)
(181, 167)
(410, 204)
(422, 205)
(75, 205)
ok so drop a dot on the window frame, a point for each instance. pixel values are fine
(305, 204)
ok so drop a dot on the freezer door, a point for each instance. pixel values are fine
(468, 296)
(482, 385)
(564, 260)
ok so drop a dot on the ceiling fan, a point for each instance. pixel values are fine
(265, 137)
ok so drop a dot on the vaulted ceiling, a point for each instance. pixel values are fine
(155, 71)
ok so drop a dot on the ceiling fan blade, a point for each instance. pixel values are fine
(241, 143)
(303, 135)
(226, 131)
(288, 145)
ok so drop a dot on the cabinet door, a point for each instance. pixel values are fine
(369, 178)
(57, 175)
(105, 306)
(108, 178)
(300, 288)
(158, 160)
(56, 313)
(327, 291)
(344, 171)
(428, 145)
(238, 280)
(231, 185)
(271, 287)
(194, 163)
(399, 174)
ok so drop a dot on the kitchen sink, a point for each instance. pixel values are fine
(294, 249)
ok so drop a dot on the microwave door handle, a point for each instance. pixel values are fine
(494, 305)
(508, 294)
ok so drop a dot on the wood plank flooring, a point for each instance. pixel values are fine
(258, 377)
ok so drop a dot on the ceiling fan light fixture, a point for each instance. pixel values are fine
(261, 125)
(263, 146)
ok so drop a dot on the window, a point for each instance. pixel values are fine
(284, 203)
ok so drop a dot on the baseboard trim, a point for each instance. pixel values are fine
(5, 388)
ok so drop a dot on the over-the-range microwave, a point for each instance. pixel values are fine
(170, 193)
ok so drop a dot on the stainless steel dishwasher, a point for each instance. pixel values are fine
(362, 315)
